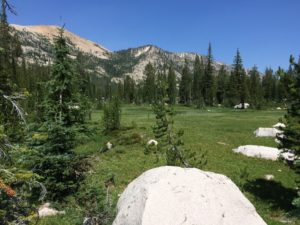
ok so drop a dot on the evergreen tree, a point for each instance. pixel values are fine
(112, 115)
(108, 89)
(208, 79)
(10, 50)
(81, 104)
(149, 87)
(127, 86)
(129, 90)
(56, 161)
(16, 182)
(240, 77)
(232, 94)
(198, 81)
(255, 88)
(170, 142)
(291, 133)
(285, 80)
(172, 86)
(222, 80)
(185, 86)
(120, 91)
(268, 84)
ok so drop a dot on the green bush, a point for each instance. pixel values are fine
(112, 115)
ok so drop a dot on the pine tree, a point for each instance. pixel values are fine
(222, 80)
(290, 140)
(81, 100)
(129, 90)
(112, 115)
(16, 182)
(285, 80)
(240, 77)
(56, 161)
(255, 89)
(149, 87)
(170, 142)
(10, 50)
(185, 86)
(172, 86)
(268, 84)
(198, 81)
(208, 80)
(232, 94)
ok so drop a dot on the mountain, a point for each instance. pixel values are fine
(37, 45)
(157, 56)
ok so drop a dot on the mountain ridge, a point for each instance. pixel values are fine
(37, 44)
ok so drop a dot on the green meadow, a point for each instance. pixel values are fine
(215, 131)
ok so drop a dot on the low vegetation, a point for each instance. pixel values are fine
(212, 129)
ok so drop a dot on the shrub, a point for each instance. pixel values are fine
(112, 115)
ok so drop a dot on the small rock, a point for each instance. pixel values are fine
(269, 177)
(221, 143)
(109, 145)
(279, 125)
(45, 210)
(152, 142)
(240, 106)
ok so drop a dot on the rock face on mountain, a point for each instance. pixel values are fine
(176, 196)
(30, 34)
(37, 44)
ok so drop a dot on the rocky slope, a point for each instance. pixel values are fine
(37, 44)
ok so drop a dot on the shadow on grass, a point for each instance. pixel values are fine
(273, 193)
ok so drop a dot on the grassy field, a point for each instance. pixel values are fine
(215, 130)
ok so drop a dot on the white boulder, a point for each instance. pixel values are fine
(177, 196)
(152, 142)
(45, 210)
(240, 106)
(109, 145)
(279, 125)
(266, 132)
(269, 177)
(264, 152)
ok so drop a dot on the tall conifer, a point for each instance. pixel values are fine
(208, 81)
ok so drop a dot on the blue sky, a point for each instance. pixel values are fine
(265, 31)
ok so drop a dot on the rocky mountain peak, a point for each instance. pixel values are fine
(50, 32)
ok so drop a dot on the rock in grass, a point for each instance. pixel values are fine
(240, 106)
(176, 196)
(107, 147)
(264, 152)
(45, 210)
(279, 125)
(266, 132)
(152, 142)
(269, 177)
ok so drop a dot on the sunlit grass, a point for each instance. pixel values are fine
(215, 130)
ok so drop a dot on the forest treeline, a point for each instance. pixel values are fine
(200, 85)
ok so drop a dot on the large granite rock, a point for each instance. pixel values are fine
(177, 196)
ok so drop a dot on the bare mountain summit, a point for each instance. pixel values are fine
(49, 32)
(37, 44)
